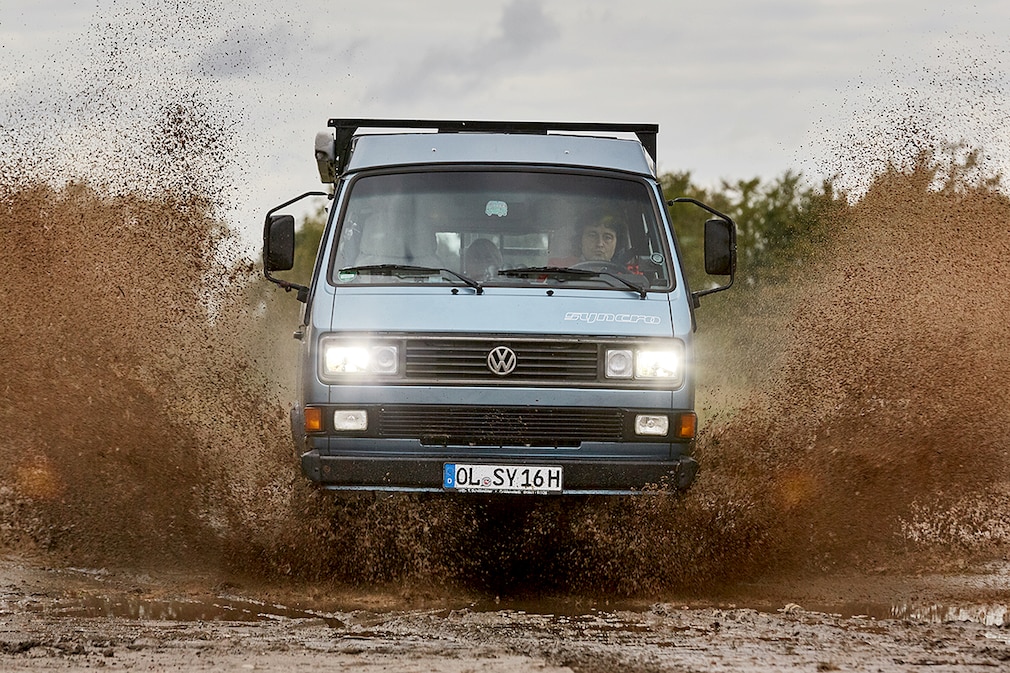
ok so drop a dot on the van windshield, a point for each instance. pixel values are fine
(501, 228)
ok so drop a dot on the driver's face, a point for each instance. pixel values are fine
(598, 243)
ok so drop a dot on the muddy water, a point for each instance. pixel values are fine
(97, 594)
(144, 408)
(233, 609)
(143, 422)
(889, 404)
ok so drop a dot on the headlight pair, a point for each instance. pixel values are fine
(658, 363)
(338, 358)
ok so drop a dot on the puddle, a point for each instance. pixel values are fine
(990, 615)
(609, 616)
(993, 614)
(181, 610)
(932, 613)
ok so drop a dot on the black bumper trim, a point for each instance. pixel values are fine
(424, 474)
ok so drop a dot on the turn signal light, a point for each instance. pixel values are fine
(313, 419)
(687, 425)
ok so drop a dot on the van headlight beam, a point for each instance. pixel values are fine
(660, 362)
(339, 358)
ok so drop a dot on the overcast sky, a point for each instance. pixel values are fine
(740, 88)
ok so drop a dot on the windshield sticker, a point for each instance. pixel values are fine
(586, 317)
(499, 208)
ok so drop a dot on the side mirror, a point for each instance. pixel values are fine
(279, 243)
(720, 247)
(279, 246)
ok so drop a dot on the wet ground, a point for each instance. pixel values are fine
(77, 618)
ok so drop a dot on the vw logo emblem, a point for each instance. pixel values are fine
(501, 360)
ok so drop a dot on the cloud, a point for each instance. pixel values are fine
(525, 27)
(244, 51)
(522, 30)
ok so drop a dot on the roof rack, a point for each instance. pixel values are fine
(346, 128)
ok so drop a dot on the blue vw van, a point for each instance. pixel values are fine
(496, 307)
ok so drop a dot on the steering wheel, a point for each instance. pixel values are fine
(600, 265)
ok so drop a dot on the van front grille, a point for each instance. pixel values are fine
(466, 360)
(500, 426)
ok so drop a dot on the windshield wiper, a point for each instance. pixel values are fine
(568, 271)
(410, 270)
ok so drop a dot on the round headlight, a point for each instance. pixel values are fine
(620, 364)
(385, 359)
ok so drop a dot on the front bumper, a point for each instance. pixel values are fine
(424, 474)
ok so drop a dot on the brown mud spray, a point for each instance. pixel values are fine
(144, 392)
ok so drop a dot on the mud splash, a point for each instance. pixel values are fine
(144, 398)
(105, 331)
(128, 310)
(144, 420)
(891, 398)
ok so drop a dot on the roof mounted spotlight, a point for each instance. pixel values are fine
(326, 157)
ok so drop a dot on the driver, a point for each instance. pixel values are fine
(599, 240)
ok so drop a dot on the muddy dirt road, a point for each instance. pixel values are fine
(852, 513)
(73, 619)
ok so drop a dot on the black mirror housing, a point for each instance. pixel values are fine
(279, 253)
(720, 247)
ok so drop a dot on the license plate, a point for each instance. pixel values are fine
(532, 479)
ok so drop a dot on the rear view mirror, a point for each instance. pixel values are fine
(279, 253)
(279, 246)
(720, 247)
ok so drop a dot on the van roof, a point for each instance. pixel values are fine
(480, 141)
(404, 149)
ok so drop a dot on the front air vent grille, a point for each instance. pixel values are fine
(500, 426)
(466, 360)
